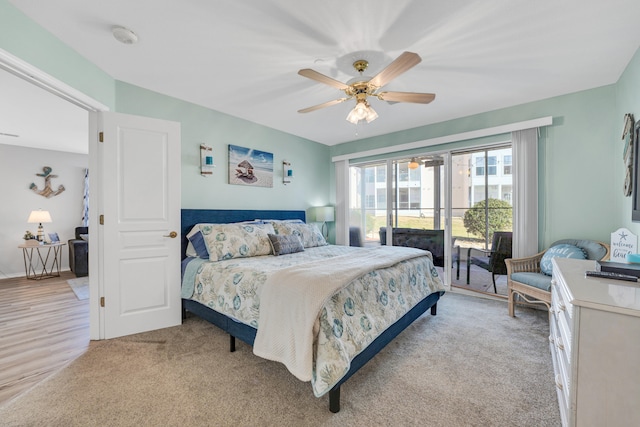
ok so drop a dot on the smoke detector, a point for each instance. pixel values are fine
(124, 35)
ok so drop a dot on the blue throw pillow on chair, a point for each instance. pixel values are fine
(563, 250)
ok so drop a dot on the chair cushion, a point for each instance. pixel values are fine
(537, 280)
(563, 250)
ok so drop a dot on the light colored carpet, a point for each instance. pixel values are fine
(80, 287)
(471, 365)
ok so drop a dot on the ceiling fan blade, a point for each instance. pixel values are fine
(401, 64)
(314, 75)
(319, 106)
(418, 98)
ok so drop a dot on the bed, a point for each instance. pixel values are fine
(236, 283)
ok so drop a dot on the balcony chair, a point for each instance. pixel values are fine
(492, 260)
(530, 277)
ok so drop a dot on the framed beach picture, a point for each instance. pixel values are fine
(250, 167)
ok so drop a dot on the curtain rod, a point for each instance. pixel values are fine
(496, 130)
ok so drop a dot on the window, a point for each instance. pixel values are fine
(507, 165)
(381, 174)
(369, 175)
(492, 169)
(382, 197)
(370, 201)
(403, 198)
(479, 166)
(414, 198)
(403, 172)
(415, 174)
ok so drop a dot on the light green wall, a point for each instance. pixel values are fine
(25, 39)
(310, 160)
(580, 190)
(627, 101)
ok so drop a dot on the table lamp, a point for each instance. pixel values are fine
(39, 217)
(324, 214)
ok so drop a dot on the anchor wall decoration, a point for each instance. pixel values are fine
(46, 191)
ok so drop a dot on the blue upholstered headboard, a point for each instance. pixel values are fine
(191, 217)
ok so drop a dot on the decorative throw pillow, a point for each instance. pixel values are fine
(309, 234)
(199, 245)
(191, 251)
(226, 241)
(563, 250)
(283, 245)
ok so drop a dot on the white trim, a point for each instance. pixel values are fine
(480, 133)
(28, 72)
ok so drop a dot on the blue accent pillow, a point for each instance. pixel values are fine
(285, 244)
(199, 245)
(563, 250)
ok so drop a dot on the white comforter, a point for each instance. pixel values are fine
(287, 336)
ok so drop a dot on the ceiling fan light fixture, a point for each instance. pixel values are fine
(413, 164)
(352, 117)
(371, 114)
(362, 111)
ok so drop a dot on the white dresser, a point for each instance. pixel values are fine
(595, 345)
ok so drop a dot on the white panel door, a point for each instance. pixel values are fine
(140, 172)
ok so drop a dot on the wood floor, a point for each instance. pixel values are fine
(43, 326)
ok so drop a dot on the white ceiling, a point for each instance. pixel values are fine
(242, 57)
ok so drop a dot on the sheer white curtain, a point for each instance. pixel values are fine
(342, 202)
(85, 200)
(525, 194)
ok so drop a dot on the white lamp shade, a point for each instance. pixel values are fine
(39, 216)
(324, 214)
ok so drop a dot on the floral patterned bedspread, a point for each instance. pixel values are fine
(350, 320)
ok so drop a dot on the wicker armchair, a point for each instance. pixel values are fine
(532, 285)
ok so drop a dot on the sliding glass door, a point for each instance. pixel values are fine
(368, 187)
(452, 204)
(482, 216)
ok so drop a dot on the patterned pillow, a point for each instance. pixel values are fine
(199, 245)
(308, 233)
(226, 241)
(563, 250)
(191, 251)
(283, 245)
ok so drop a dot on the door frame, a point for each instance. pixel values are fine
(28, 72)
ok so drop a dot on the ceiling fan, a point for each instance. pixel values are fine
(362, 87)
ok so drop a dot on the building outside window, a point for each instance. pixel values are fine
(507, 165)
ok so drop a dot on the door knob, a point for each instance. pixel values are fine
(173, 235)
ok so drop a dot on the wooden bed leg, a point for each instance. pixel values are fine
(334, 400)
(434, 308)
(232, 343)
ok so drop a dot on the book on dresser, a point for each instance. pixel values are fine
(595, 346)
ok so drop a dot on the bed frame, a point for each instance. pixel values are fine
(247, 334)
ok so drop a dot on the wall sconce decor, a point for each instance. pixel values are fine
(38, 217)
(324, 214)
(287, 172)
(206, 160)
